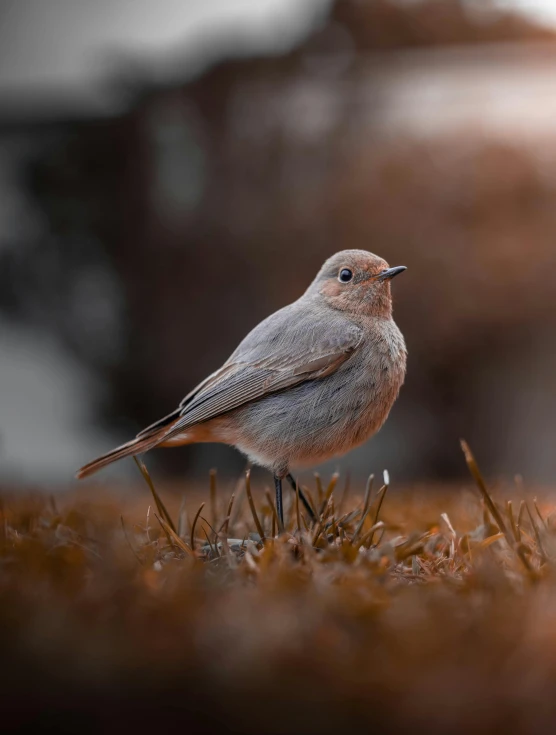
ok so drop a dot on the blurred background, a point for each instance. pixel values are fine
(172, 172)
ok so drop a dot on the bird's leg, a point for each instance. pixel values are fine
(279, 507)
(296, 487)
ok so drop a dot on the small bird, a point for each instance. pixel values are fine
(312, 381)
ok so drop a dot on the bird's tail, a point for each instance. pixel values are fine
(147, 439)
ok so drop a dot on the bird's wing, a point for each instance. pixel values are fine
(299, 343)
(292, 346)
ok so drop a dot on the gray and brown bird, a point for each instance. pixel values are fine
(312, 381)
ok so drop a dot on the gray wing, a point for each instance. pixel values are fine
(295, 344)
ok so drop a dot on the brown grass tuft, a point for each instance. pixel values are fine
(415, 609)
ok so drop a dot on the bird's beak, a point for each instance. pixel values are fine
(387, 275)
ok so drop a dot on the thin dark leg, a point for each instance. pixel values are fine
(279, 508)
(302, 497)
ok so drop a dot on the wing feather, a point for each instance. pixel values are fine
(240, 383)
(293, 345)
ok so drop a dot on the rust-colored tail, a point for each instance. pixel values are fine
(136, 446)
(145, 440)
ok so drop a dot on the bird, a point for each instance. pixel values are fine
(310, 382)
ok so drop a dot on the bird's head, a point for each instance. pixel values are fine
(356, 282)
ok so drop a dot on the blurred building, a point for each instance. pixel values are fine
(146, 242)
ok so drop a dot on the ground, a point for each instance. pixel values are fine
(399, 609)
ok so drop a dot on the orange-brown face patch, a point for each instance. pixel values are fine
(364, 269)
(332, 288)
(363, 294)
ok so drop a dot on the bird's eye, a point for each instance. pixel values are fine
(345, 275)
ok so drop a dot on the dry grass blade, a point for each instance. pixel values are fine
(209, 524)
(490, 540)
(409, 548)
(522, 552)
(366, 506)
(320, 491)
(365, 541)
(513, 524)
(296, 485)
(194, 525)
(310, 500)
(329, 491)
(345, 492)
(476, 474)
(333, 525)
(275, 520)
(539, 513)
(158, 501)
(225, 526)
(173, 537)
(297, 514)
(379, 500)
(537, 534)
(213, 500)
(252, 505)
(486, 514)
(239, 493)
(317, 532)
(165, 528)
(520, 515)
(450, 532)
(331, 510)
(213, 550)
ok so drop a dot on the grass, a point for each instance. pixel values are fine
(394, 611)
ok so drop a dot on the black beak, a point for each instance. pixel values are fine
(391, 272)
